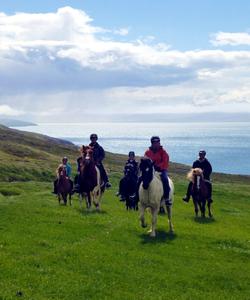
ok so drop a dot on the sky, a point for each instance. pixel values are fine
(65, 60)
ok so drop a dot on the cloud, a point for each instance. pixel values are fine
(6, 110)
(122, 31)
(230, 38)
(54, 65)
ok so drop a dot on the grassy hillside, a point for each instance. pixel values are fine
(49, 251)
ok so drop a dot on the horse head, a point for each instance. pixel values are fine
(128, 170)
(61, 171)
(147, 171)
(89, 153)
(196, 176)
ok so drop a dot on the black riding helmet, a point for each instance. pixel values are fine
(93, 136)
(155, 139)
(202, 152)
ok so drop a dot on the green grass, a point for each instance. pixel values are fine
(49, 251)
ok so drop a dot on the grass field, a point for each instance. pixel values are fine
(49, 251)
(55, 252)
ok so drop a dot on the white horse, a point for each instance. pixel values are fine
(151, 194)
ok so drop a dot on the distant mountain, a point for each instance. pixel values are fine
(15, 123)
(171, 117)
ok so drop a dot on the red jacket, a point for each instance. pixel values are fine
(160, 158)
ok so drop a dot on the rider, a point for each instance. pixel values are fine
(68, 169)
(98, 155)
(160, 158)
(206, 167)
(133, 165)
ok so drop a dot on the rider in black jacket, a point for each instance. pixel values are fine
(98, 155)
(206, 167)
(130, 177)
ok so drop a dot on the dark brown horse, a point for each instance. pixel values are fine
(63, 185)
(89, 179)
(200, 192)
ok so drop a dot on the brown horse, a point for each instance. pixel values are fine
(63, 185)
(200, 192)
(89, 179)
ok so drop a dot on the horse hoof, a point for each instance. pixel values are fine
(143, 225)
(152, 234)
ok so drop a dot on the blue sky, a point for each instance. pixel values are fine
(164, 56)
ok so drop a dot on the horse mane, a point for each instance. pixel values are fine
(59, 168)
(146, 175)
(194, 172)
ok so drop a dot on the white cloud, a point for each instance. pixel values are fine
(6, 110)
(230, 38)
(58, 64)
(241, 95)
(122, 31)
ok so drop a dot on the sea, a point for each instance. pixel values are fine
(227, 144)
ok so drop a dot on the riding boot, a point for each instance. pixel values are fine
(189, 192)
(166, 188)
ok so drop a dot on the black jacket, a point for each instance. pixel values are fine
(98, 152)
(205, 166)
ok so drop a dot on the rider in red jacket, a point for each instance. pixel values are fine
(160, 158)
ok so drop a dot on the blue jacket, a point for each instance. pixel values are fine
(68, 169)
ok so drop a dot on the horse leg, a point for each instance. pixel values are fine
(88, 200)
(95, 197)
(209, 209)
(80, 200)
(127, 202)
(142, 217)
(65, 198)
(154, 213)
(171, 227)
(196, 209)
(203, 208)
(70, 199)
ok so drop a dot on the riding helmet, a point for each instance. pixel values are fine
(93, 136)
(155, 139)
(203, 152)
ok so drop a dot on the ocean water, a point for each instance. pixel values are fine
(227, 144)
